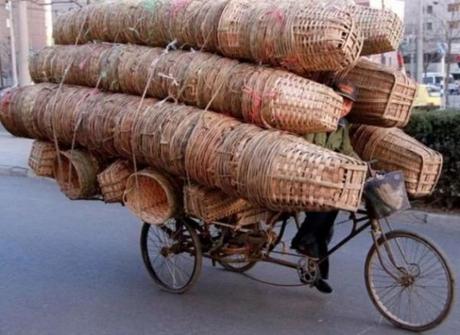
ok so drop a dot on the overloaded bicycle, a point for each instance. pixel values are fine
(407, 277)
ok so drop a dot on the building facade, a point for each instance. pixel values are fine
(441, 32)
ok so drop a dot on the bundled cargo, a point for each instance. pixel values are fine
(154, 197)
(282, 33)
(42, 158)
(211, 204)
(385, 96)
(269, 168)
(267, 97)
(382, 29)
(76, 173)
(393, 150)
(112, 181)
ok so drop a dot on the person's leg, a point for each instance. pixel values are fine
(307, 236)
(324, 237)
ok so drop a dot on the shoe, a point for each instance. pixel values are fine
(322, 286)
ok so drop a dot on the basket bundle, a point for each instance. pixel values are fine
(42, 158)
(154, 197)
(273, 169)
(76, 173)
(267, 97)
(385, 95)
(287, 33)
(382, 29)
(211, 204)
(112, 181)
(394, 150)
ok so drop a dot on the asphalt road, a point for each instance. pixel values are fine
(75, 268)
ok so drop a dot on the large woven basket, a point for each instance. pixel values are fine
(42, 158)
(267, 97)
(385, 98)
(289, 33)
(382, 29)
(112, 181)
(152, 196)
(211, 204)
(76, 173)
(272, 169)
(394, 150)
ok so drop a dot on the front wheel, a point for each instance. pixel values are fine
(172, 254)
(409, 281)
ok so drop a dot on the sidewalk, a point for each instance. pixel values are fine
(14, 154)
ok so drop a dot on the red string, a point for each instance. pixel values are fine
(255, 112)
(177, 6)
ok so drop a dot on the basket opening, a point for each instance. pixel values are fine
(148, 198)
(67, 177)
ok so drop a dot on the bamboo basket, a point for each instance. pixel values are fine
(385, 97)
(211, 204)
(112, 181)
(271, 169)
(382, 29)
(76, 173)
(267, 97)
(251, 216)
(42, 159)
(394, 150)
(152, 196)
(288, 33)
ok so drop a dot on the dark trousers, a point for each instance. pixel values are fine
(316, 234)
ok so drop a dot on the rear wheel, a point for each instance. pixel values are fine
(409, 281)
(172, 254)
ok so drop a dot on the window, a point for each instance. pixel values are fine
(454, 7)
(454, 24)
(429, 26)
(429, 9)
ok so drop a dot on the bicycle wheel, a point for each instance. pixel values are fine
(172, 254)
(409, 281)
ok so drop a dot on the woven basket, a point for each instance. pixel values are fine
(394, 150)
(382, 29)
(112, 181)
(288, 33)
(385, 98)
(76, 173)
(252, 216)
(267, 97)
(42, 158)
(272, 169)
(211, 204)
(152, 196)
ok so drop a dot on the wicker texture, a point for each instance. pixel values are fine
(267, 97)
(152, 196)
(112, 181)
(385, 98)
(211, 204)
(42, 158)
(272, 169)
(394, 151)
(76, 173)
(382, 29)
(282, 33)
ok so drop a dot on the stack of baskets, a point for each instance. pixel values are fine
(393, 150)
(209, 148)
(42, 158)
(267, 97)
(149, 149)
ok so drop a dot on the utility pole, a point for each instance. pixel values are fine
(23, 35)
(420, 28)
(14, 66)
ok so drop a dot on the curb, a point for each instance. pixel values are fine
(15, 171)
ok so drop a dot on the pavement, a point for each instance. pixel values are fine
(14, 154)
(75, 268)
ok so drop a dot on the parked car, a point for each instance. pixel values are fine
(437, 79)
(428, 97)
